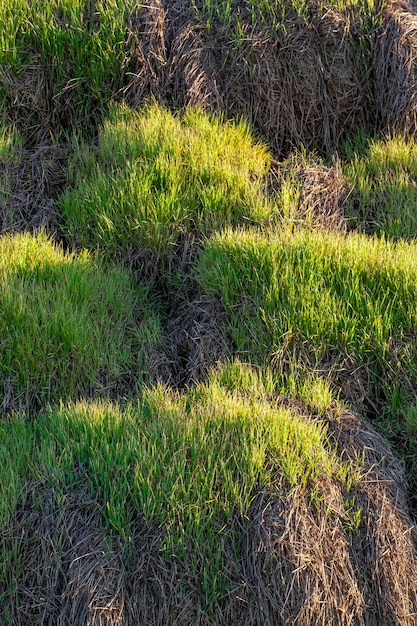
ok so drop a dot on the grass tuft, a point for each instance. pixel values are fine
(67, 327)
(156, 175)
(325, 296)
(384, 175)
(61, 62)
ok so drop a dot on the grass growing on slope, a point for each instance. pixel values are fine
(67, 326)
(335, 297)
(61, 60)
(384, 176)
(186, 462)
(157, 175)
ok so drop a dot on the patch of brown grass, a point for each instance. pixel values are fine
(395, 67)
(345, 558)
(30, 109)
(320, 192)
(298, 86)
(195, 341)
(68, 574)
(33, 179)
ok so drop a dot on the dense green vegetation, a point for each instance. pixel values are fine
(156, 176)
(163, 215)
(68, 327)
(61, 61)
(384, 175)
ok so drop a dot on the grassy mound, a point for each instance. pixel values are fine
(68, 328)
(215, 497)
(157, 177)
(314, 301)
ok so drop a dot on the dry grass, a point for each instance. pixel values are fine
(299, 85)
(32, 180)
(345, 559)
(395, 67)
(195, 341)
(70, 574)
(311, 194)
(171, 58)
(28, 91)
(309, 82)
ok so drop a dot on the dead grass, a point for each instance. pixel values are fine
(384, 550)
(395, 67)
(343, 558)
(147, 34)
(32, 180)
(299, 85)
(195, 342)
(310, 82)
(311, 194)
(70, 574)
(30, 107)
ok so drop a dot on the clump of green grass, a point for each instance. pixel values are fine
(384, 176)
(332, 295)
(61, 59)
(271, 13)
(67, 326)
(188, 462)
(157, 175)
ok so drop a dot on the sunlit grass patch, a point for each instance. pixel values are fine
(9, 139)
(332, 294)
(187, 463)
(188, 460)
(67, 326)
(157, 175)
(384, 176)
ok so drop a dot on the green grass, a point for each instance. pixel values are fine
(156, 176)
(17, 444)
(188, 462)
(9, 139)
(273, 14)
(67, 327)
(384, 176)
(337, 296)
(68, 56)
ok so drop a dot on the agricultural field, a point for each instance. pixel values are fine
(208, 313)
